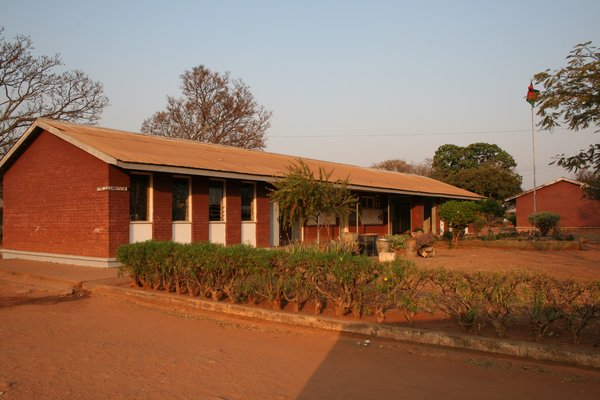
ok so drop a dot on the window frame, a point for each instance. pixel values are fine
(252, 203)
(149, 197)
(188, 210)
(223, 205)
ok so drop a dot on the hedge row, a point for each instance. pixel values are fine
(359, 284)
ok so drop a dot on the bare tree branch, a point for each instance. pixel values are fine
(30, 90)
(215, 109)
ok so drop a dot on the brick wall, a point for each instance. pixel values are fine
(51, 203)
(563, 198)
(417, 213)
(118, 210)
(263, 224)
(162, 203)
(233, 210)
(199, 209)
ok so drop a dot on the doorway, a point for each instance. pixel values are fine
(400, 218)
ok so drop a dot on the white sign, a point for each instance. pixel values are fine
(112, 188)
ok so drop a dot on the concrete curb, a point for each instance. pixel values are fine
(534, 351)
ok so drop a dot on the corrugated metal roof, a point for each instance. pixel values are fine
(128, 149)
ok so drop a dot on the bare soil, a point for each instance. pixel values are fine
(56, 345)
(60, 344)
(564, 264)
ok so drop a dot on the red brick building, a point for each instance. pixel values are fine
(564, 197)
(75, 193)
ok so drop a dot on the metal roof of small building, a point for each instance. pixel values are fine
(154, 153)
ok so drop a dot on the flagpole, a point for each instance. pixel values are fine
(532, 96)
(533, 151)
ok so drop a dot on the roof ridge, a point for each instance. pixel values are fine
(138, 151)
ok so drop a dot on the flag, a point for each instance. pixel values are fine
(532, 94)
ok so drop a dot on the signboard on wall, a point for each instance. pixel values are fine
(372, 216)
(323, 220)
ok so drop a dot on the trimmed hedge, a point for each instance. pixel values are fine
(359, 284)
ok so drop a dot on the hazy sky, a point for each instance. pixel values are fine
(347, 81)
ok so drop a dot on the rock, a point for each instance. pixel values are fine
(427, 251)
(387, 256)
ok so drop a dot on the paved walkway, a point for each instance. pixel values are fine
(71, 275)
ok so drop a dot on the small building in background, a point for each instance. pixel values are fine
(565, 197)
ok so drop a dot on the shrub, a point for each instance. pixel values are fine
(394, 286)
(424, 240)
(512, 218)
(458, 215)
(498, 294)
(454, 295)
(544, 221)
(579, 305)
(271, 277)
(541, 304)
(398, 242)
(307, 265)
(339, 278)
(447, 236)
(358, 283)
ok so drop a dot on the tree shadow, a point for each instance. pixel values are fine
(31, 299)
(360, 367)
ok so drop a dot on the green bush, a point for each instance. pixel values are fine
(544, 221)
(512, 218)
(458, 215)
(398, 242)
(360, 284)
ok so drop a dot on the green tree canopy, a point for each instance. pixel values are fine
(458, 215)
(571, 96)
(491, 210)
(483, 168)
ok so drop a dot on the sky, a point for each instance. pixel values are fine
(355, 82)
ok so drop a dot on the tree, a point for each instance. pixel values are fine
(302, 196)
(591, 180)
(491, 210)
(482, 168)
(458, 215)
(544, 221)
(571, 96)
(398, 165)
(32, 88)
(214, 109)
(494, 183)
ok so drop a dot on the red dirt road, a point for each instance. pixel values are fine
(71, 347)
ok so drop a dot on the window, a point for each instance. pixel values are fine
(367, 202)
(181, 192)
(139, 197)
(216, 195)
(247, 201)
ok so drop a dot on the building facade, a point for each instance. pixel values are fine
(564, 197)
(75, 193)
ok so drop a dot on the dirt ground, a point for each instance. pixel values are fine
(565, 264)
(58, 345)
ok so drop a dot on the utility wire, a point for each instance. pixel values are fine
(407, 134)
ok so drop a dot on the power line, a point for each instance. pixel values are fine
(409, 134)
